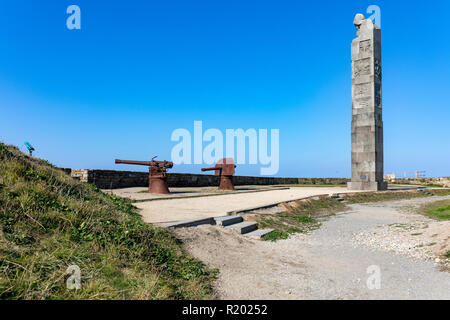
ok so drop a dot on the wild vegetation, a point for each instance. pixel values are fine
(49, 221)
(439, 210)
(366, 197)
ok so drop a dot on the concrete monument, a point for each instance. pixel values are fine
(367, 122)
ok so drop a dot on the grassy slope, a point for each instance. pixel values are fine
(49, 221)
(439, 210)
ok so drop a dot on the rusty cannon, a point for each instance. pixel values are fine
(225, 169)
(157, 179)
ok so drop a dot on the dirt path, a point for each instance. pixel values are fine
(332, 262)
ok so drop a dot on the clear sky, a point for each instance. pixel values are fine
(137, 70)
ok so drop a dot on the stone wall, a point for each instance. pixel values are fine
(113, 179)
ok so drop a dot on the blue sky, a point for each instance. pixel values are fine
(137, 70)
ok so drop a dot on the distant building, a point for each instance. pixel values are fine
(389, 177)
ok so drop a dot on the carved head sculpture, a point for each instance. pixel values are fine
(359, 18)
(362, 24)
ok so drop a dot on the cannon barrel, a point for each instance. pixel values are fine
(142, 163)
(217, 167)
(153, 163)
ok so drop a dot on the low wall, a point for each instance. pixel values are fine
(113, 179)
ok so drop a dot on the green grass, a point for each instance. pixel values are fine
(439, 210)
(49, 221)
(432, 185)
(298, 217)
(366, 197)
(276, 235)
(447, 254)
(423, 184)
(440, 192)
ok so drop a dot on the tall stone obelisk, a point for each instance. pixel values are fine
(367, 122)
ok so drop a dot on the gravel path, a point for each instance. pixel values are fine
(331, 262)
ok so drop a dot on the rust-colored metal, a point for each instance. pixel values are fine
(225, 169)
(157, 179)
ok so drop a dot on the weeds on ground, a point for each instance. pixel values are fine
(433, 185)
(438, 210)
(366, 197)
(440, 192)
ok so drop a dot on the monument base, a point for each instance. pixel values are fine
(369, 186)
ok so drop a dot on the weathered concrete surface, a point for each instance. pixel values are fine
(189, 223)
(258, 234)
(367, 123)
(244, 227)
(216, 206)
(141, 194)
(228, 220)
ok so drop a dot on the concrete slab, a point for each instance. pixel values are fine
(269, 206)
(228, 220)
(141, 194)
(217, 206)
(188, 223)
(258, 234)
(244, 227)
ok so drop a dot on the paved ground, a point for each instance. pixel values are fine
(331, 262)
(215, 206)
(140, 193)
